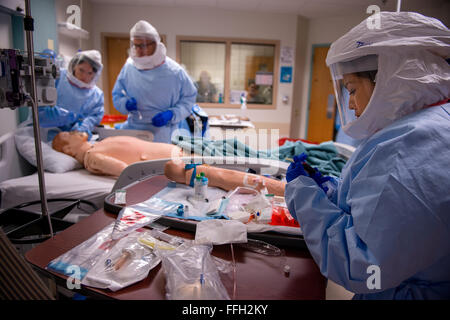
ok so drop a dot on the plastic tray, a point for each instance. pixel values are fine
(272, 237)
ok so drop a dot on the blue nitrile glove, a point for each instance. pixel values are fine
(50, 117)
(80, 128)
(321, 180)
(131, 104)
(296, 169)
(162, 118)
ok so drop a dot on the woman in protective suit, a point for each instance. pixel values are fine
(80, 103)
(383, 229)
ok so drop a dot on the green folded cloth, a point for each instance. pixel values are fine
(323, 156)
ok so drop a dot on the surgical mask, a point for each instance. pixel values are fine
(149, 62)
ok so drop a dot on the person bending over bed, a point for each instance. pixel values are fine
(111, 155)
(225, 179)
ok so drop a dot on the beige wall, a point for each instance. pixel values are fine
(204, 22)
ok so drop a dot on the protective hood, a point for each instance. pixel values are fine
(94, 58)
(149, 62)
(412, 72)
(144, 30)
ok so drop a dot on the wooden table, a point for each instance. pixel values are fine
(258, 277)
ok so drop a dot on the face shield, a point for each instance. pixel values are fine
(142, 46)
(84, 69)
(353, 82)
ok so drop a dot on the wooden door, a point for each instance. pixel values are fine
(117, 54)
(322, 109)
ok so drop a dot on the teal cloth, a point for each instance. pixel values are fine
(323, 156)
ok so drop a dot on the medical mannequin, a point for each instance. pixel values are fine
(222, 178)
(111, 155)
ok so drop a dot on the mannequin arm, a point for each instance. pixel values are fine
(99, 163)
(223, 178)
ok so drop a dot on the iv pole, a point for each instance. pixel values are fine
(29, 28)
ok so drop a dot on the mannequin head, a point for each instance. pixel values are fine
(69, 142)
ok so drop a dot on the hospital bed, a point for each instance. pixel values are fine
(19, 179)
(19, 182)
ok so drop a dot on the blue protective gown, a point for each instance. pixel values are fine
(87, 104)
(391, 209)
(165, 87)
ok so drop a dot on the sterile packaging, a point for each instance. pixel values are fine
(245, 204)
(173, 240)
(192, 274)
(139, 215)
(79, 260)
(220, 232)
(128, 262)
(206, 208)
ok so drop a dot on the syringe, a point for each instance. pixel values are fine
(128, 97)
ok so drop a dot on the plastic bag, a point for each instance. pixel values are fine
(192, 274)
(139, 215)
(220, 232)
(173, 240)
(85, 255)
(126, 263)
(267, 249)
(245, 204)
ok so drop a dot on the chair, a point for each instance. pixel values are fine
(18, 281)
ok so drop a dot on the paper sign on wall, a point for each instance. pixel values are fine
(287, 55)
(286, 75)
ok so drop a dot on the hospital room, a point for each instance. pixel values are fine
(271, 150)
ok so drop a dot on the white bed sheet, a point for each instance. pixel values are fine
(76, 184)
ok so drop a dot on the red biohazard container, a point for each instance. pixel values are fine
(282, 217)
(282, 141)
(111, 119)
